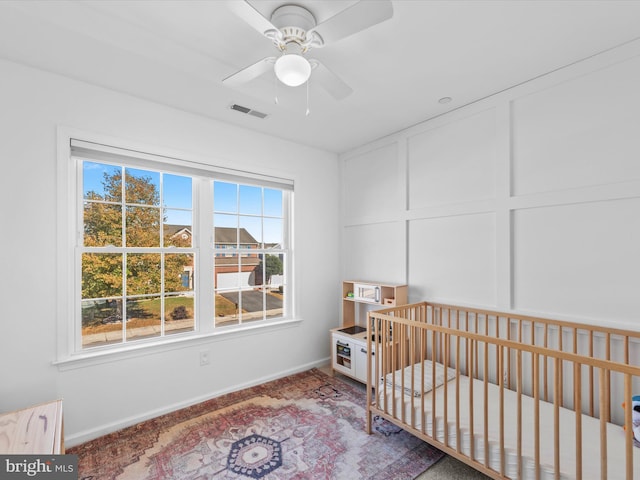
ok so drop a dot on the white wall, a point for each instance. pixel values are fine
(106, 396)
(526, 201)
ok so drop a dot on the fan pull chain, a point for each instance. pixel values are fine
(275, 89)
(308, 111)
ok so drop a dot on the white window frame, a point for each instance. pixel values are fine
(70, 353)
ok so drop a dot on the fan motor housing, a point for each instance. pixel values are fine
(294, 22)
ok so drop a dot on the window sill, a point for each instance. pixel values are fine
(98, 357)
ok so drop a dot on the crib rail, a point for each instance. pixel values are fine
(587, 369)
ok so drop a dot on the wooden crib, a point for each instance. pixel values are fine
(513, 396)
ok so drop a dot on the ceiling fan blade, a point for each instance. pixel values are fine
(330, 81)
(356, 18)
(246, 12)
(249, 73)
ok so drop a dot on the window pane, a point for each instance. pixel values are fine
(177, 191)
(273, 270)
(178, 272)
(143, 227)
(272, 202)
(226, 273)
(143, 273)
(252, 299)
(227, 308)
(253, 305)
(178, 313)
(250, 200)
(178, 229)
(102, 224)
(225, 197)
(142, 186)
(225, 227)
(143, 317)
(101, 182)
(101, 322)
(273, 233)
(250, 232)
(101, 275)
(252, 263)
(274, 278)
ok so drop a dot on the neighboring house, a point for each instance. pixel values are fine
(231, 271)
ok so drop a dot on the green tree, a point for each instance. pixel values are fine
(272, 266)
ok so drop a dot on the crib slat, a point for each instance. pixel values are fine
(388, 346)
(519, 417)
(560, 336)
(626, 350)
(545, 343)
(433, 396)
(445, 404)
(397, 341)
(629, 430)
(536, 413)
(369, 373)
(477, 349)
(411, 355)
(498, 369)
(577, 407)
(501, 383)
(603, 430)
(608, 382)
(557, 393)
(423, 356)
(509, 354)
(591, 388)
(466, 342)
(486, 404)
(472, 347)
(458, 436)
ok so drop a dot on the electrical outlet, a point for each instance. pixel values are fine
(204, 358)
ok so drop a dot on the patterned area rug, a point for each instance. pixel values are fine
(306, 426)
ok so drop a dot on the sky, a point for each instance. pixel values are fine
(233, 203)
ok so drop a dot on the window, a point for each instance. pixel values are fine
(137, 268)
(147, 267)
(249, 258)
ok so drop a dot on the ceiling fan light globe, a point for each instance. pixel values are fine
(292, 69)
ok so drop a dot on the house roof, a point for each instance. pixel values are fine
(224, 235)
(229, 235)
(173, 230)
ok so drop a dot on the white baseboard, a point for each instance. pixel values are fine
(86, 435)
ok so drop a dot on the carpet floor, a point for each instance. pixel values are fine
(305, 426)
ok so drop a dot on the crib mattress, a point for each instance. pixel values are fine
(590, 431)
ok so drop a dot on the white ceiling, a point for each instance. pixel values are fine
(177, 53)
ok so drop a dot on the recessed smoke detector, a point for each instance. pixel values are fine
(248, 111)
(445, 100)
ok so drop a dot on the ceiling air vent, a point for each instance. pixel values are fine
(248, 111)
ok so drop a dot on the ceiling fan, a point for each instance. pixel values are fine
(294, 32)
